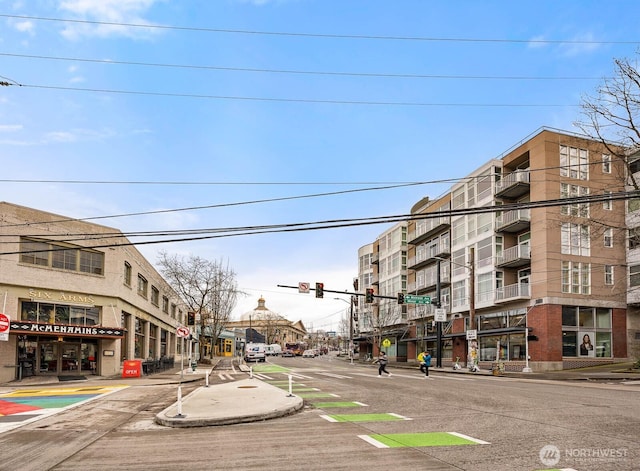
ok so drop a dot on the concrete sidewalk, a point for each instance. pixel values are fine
(247, 400)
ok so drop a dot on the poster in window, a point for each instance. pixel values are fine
(586, 344)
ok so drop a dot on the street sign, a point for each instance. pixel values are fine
(440, 315)
(303, 287)
(472, 334)
(183, 332)
(5, 322)
(386, 343)
(413, 299)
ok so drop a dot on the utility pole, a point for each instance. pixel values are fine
(472, 288)
(351, 331)
(438, 323)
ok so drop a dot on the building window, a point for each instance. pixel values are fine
(143, 286)
(608, 237)
(607, 205)
(165, 305)
(155, 296)
(45, 313)
(634, 238)
(576, 277)
(575, 239)
(574, 163)
(127, 274)
(574, 191)
(634, 275)
(608, 274)
(586, 332)
(606, 163)
(633, 204)
(63, 257)
(173, 311)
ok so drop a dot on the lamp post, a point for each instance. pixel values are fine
(350, 327)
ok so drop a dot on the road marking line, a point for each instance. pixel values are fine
(467, 437)
(331, 375)
(372, 441)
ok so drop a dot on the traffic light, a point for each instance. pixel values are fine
(191, 318)
(369, 296)
(400, 298)
(319, 290)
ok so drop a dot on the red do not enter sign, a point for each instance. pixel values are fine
(4, 323)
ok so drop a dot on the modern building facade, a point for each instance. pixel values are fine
(80, 298)
(531, 281)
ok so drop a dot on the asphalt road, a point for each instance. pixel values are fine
(506, 423)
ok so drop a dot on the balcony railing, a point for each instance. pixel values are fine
(437, 250)
(514, 184)
(422, 228)
(513, 292)
(516, 256)
(513, 221)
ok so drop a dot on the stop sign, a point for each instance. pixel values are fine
(4, 323)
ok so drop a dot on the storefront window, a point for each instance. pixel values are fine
(44, 313)
(586, 332)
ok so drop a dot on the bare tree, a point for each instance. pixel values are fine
(612, 115)
(209, 289)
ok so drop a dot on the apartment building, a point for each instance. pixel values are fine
(80, 298)
(537, 277)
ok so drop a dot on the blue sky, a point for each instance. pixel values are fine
(272, 99)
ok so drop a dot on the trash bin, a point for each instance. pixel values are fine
(194, 365)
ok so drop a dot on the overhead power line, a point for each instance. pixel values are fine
(298, 72)
(216, 233)
(318, 35)
(301, 100)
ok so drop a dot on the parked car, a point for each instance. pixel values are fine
(309, 354)
(255, 352)
(288, 353)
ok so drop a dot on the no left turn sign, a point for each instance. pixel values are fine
(183, 332)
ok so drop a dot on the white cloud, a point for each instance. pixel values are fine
(25, 26)
(580, 48)
(107, 11)
(10, 127)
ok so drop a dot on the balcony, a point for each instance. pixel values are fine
(513, 221)
(426, 228)
(513, 293)
(513, 185)
(428, 255)
(375, 258)
(513, 257)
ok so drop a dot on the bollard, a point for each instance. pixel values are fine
(251, 372)
(290, 387)
(179, 415)
(206, 377)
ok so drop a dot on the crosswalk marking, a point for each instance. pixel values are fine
(333, 375)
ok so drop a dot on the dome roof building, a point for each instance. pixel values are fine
(266, 326)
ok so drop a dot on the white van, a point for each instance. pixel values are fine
(273, 350)
(255, 352)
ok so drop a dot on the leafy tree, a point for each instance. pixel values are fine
(209, 289)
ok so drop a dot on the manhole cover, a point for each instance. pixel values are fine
(246, 387)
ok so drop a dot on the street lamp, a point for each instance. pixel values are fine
(350, 327)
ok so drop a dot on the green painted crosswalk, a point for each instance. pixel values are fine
(400, 440)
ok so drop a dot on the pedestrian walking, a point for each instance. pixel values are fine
(382, 364)
(426, 363)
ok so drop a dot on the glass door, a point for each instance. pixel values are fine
(70, 361)
(48, 361)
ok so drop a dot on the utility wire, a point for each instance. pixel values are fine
(342, 223)
(317, 35)
(300, 72)
(299, 100)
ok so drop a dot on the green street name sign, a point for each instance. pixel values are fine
(411, 299)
